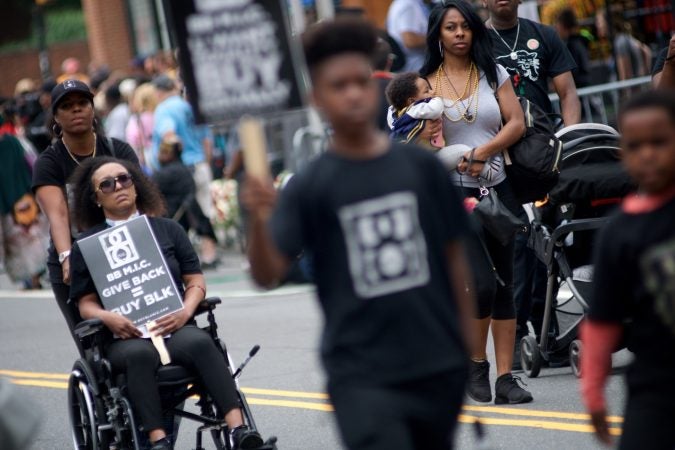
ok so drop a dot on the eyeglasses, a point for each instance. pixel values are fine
(107, 185)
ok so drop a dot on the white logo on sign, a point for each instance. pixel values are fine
(386, 249)
(118, 247)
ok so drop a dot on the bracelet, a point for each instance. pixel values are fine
(63, 256)
(196, 286)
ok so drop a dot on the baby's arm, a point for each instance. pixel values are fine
(433, 109)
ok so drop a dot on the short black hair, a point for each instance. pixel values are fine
(567, 19)
(344, 35)
(401, 89)
(653, 99)
(382, 55)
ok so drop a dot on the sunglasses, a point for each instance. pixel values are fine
(107, 185)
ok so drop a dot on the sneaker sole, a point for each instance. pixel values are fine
(506, 401)
(476, 399)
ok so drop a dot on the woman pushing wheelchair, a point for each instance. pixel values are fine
(108, 192)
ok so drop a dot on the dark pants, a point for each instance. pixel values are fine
(190, 347)
(649, 419)
(62, 294)
(529, 289)
(494, 299)
(420, 414)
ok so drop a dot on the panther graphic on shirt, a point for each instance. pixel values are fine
(386, 248)
(658, 270)
(528, 64)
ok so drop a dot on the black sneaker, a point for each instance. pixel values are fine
(508, 391)
(479, 381)
(162, 444)
(242, 437)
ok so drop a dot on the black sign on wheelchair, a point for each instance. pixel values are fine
(130, 273)
(237, 57)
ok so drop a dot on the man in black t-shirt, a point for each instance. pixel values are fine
(663, 74)
(634, 283)
(568, 29)
(384, 226)
(534, 55)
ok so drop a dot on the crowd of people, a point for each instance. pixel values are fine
(381, 248)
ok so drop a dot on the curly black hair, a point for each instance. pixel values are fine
(343, 35)
(85, 214)
(402, 88)
(662, 99)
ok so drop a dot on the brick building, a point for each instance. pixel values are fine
(117, 31)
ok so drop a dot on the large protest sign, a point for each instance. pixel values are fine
(130, 273)
(237, 57)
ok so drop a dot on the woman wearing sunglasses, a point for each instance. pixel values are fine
(77, 138)
(108, 192)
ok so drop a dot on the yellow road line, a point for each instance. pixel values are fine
(48, 376)
(291, 404)
(49, 380)
(536, 413)
(543, 424)
(41, 383)
(280, 393)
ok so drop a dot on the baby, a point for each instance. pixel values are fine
(411, 106)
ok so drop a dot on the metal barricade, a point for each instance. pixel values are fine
(600, 103)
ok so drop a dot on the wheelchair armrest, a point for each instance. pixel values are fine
(88, 327)
(208, 304)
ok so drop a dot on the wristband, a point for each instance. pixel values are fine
(63, 256)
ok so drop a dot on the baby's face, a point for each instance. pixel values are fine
(423, 89)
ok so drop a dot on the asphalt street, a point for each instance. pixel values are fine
(284, 383)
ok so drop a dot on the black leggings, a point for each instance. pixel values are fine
(415, 415)
(494, 299)
(190, 347)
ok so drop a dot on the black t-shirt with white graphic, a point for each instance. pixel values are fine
(377, 231)
(635, 281)
(55, 166)
(539, 55)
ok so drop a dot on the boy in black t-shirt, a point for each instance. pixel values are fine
(384, 227)
(634, 283)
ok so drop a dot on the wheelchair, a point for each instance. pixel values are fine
(102, 417)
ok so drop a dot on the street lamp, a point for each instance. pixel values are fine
(41, 30)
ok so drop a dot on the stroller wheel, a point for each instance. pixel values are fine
(530, 357)
(575, 357)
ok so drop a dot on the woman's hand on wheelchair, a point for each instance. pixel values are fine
(171, 323)
(121, 326)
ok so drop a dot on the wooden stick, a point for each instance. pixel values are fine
(158, 342)
(252, 137)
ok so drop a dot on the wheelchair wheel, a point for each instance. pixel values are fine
(530, 357)
(575, 357)
(85, 411)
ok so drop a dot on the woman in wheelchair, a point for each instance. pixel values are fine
(109, 191)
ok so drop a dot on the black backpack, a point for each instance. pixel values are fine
(532, 163)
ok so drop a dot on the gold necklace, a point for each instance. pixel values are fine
(92, 154)
(465, 115)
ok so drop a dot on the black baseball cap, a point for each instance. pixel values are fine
(68, 87)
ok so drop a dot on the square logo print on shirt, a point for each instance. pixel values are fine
(386, 249)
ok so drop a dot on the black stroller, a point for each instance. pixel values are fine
(592, 182)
